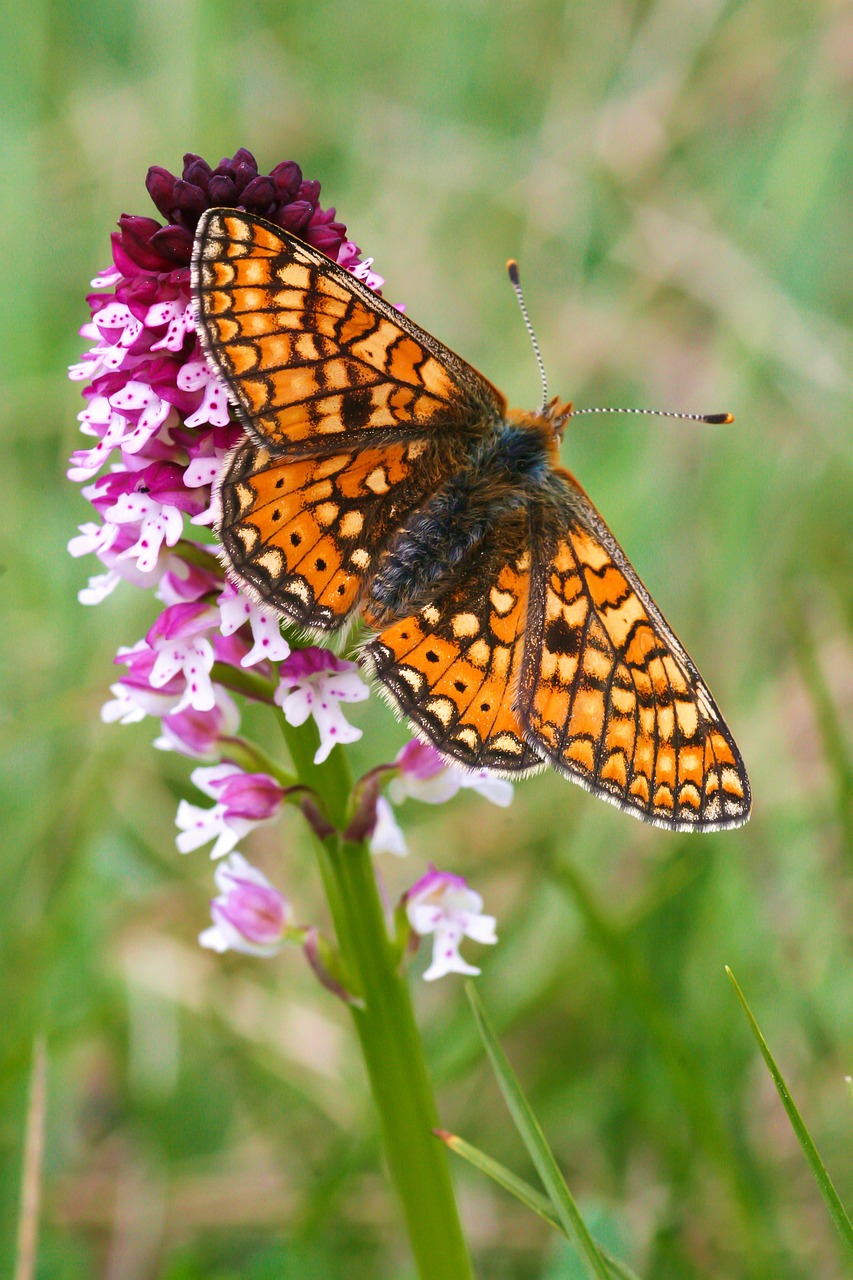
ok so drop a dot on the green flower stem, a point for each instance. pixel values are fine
(248, 683)
(253, 759)
(386, 1025)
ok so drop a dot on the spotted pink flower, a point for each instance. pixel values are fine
(443, 905)
(200, 734)
(243, 801)
(314, 682)
(422, 774)
(237, 610)
(249, 914)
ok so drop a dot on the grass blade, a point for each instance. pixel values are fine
(534, 1139)
(28, 1218)
(523, 1192)
(818, 1168)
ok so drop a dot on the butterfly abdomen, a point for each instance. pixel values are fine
(426, 555)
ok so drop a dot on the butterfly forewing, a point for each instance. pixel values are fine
(313, 358)
(609, 696)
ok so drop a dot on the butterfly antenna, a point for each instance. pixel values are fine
(512, 270)
(716, 418)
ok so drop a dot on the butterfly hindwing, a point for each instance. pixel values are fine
(452, 667)
(314, 359)
(304, 535)
(609, 696)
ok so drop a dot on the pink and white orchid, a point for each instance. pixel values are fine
(443, 905)
(249, 914)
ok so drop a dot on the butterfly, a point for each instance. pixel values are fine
(382, 475)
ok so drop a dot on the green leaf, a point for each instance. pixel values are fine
(523, 1192)
(534, 1139)
(818, 1168)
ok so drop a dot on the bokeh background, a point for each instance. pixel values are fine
(674, 177)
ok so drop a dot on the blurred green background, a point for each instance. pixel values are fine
(675, 180)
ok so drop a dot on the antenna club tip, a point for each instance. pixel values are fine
(512, 270)
(719, 419)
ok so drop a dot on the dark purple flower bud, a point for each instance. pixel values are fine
(160, 184)
(287, 176)
(161, 481)
(259, 194)
(244, 175)
(325, 233)
(225, 169)
(310, 191)
(326, 239)
(190, 200)
(243, 156)
(294, 217)
(175, 243)
(222, 190)
(164, 481)
(196, 170)
(133, 242)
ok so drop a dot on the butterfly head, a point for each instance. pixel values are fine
(557, 413)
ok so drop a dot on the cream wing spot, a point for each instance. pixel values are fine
(296, 276)
(299, 587)
(465, 625)
(442, 708)
(479, 653)
(502, 601)
(326, 513)
(413, 678)
(248, 536)
(351, 524)
(272, 561)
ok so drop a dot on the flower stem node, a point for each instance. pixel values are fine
(327, 964)
(443, 905)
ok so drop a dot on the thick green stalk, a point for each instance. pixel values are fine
(386, 1026)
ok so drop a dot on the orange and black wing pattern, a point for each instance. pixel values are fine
(541, 645)
(608, 695)
(304, 535)
(314, 360)
(453, 667)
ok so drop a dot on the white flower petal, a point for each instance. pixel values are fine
(297, 706)
(498, 790)
(387, 835)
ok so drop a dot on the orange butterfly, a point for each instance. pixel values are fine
(383, 474)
